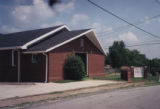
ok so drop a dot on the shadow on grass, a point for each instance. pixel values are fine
(67, 81)
(113, 76)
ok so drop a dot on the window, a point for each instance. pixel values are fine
(82, 42)
(13, 62)
(34, 58)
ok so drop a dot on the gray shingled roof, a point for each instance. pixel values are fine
(21, 38)
(55, 40)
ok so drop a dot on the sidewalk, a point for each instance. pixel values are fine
(21, 90)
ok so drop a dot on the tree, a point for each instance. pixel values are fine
(155, 66)
(119, 56)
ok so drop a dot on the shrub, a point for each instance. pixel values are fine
(74, 68)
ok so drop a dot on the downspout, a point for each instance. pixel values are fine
(46, 74)
(19, 65)
(87, 64)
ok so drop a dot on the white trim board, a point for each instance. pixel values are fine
(33, 52)
(96, 42)
(10, 48)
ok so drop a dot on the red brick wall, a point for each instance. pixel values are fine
(56, 61)
(7, 72)
(57, 58)
(33, 72)
(96, 65)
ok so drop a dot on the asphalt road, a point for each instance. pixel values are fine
(135, 98)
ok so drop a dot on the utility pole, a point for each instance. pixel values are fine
(159, 76)
(150, 66)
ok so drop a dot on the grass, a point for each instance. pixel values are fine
(57, 92)
(149, 79)
(113, 76)
(85, 78)
(116, 77)
(67, 81)
(64, 81)
(152, 84)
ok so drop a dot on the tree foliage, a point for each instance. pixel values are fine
(155, 65)
(119, 56)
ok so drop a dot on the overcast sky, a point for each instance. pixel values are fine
(20, 15)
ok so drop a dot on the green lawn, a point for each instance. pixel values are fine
(64, 81)
(116, 77)
(113, 76)
(149, 79)
(67, 81)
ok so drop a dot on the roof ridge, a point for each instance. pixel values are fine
(33, 30)
(81, 29)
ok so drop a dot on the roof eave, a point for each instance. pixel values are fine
(67, 41)
(99, 44)
(33, 52)
(25, 46)
(58, 45)
(45, 35)
(10, 48)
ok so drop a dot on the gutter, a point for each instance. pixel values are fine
(10, 48)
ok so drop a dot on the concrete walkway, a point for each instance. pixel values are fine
(21, 90)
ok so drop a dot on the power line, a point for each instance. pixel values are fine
(157, 1)
(141, 44)
(147, 41)
(125, 26)
(109, 12)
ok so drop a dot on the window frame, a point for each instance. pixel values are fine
(34, 58)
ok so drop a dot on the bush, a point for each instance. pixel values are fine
(74, 68)
(154, 71)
